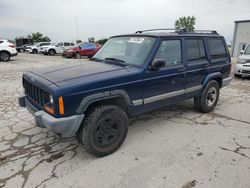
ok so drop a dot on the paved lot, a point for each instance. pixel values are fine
(174, 147)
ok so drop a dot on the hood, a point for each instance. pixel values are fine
(84, 73)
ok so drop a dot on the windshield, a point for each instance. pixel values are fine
(130, 50)
(248, 50)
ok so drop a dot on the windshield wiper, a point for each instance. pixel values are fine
(116, 61)
(96, 59)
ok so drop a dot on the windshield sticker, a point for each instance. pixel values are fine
(136, 40)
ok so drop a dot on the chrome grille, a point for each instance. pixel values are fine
(37, 94)
(246, 71)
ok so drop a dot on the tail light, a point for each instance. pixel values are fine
(12, 46)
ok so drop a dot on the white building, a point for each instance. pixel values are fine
(241, 36)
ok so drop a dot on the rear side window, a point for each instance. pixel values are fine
(72, 44)
(217, 48)
(170, 50)
(195, 49)
(66, 44)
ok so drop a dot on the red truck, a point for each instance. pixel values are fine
(85, 49)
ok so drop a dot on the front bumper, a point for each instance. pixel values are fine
(242, 69)
(65, 126)
(67, 54)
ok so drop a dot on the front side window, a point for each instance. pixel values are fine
(216, 47)
(132, 50)
(60, 44)
(170, 51)
(248, 50)
(195, 49)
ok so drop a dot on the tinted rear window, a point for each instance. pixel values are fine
(216, 47)
(195, 49)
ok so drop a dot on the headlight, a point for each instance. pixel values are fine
(51, 99)
(241, 61)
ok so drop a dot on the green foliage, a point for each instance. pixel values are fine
(78, 41)
(102, 41)
(91, 39)
(36, 37)
(187, 23)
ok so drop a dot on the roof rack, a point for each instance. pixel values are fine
(162, 29)
(200, 31)
(213, 32)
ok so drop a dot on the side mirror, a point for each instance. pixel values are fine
(242, 52)
(157, 64)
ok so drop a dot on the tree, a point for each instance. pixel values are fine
(102, 41)
(78, 41)
(36, 37)
(39, 37)
(91, 39)
(187, 23)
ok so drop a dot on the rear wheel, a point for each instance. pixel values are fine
(52, 52)
(207, 101)
(4, 56)
(104, 130)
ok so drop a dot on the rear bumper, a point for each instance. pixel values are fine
(226, 81)
(66, 126)
(14, 54)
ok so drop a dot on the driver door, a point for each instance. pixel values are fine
(166, 85)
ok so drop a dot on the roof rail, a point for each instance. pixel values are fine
(181, 31)
(162, 29)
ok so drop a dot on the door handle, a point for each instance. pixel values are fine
(206, 65)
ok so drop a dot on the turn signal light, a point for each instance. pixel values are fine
(61, 105)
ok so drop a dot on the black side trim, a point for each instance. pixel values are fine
(87, 101)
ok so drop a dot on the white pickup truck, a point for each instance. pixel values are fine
(57, 48)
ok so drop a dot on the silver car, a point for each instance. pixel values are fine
(242, 67)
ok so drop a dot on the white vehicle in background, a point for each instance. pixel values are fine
(7, 50)
(242, 67)
(57, 48)
(36, 48)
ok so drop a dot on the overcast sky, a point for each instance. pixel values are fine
(104, 18)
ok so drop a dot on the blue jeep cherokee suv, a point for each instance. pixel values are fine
(130, 75)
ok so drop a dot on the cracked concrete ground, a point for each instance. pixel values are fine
(175, 147)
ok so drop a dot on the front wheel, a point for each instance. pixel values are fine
(4, 56)
(104, 130)
(207, 101)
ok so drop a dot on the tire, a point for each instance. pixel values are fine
(52, 52)
(237, 75)
(34, 51)
(207, 101)
(90, 56)
(103, 130)
(77, 56)
(4, 56)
